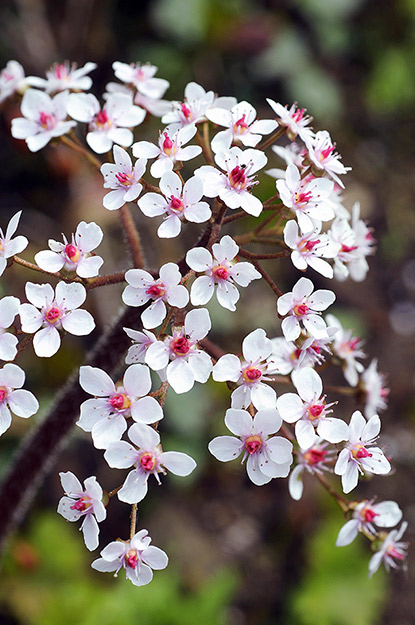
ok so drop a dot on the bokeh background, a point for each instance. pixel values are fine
(240, 555)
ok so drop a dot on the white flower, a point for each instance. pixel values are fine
(294, 119)
(142, 287)
(76, 255)
(391, 551)
(241, 126)
(192, 110)
(123, 178)
(147, 459)
(249, 373)
(321, 152)
(105, 416)
(169, 150)
(347, 347)
(303, 305)
(310, 248)
(13, 399)
(292, 154)
(364, 241)
(358, 454)
(107, 125)
(141, 340)
(142, 77)
(83, 502)
(365, 515)
(9, 308)
(47, 313)
(179, 203)
(268, 457)
(44, 118)
(63, 76)
(311, 459)
(306, 198)
(12, 78)
(220, 270)
(8, 246)
(137, 557)
(234, 186)
(188, 362)
(308, 410)
(374, 386)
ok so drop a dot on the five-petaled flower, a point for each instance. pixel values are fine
(122, 178)
(8, 246)
(49, 312)
(136, 556)
(220, 270)
(267, 456)
(105, 415)
(147, 458)
(142, 288)
(76, 255)
(83, 503)
(359, 454)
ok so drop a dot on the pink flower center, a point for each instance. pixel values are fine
(148, 461)
(326, 152)
(72, 253)
(301, 310)
(180, 346)
(156, 290)
(3, 394)
(120, 401)
(53, 315)
(176, 204)
(251, 374)
(221, 272)
(131, 558)
(241, 125)
(394, 553)
(298, 115)
(237, 177)
(303, 198)
(348, 248)
(46, 121)
(314, 456)
(308, 246)
(359, 451)
(314, 411)
(167, 144)
(102, 120)
(253, 444)
(124, 179)
(186, 111)
(61, 71)
(82, 504)
(368, 514)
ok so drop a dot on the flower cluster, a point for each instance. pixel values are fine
(294, 434)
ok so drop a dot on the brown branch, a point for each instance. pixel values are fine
(267, 278)
(133, 238)
(33, 267)
(252, 256)
(112, 278)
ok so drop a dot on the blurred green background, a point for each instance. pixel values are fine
(239, 555)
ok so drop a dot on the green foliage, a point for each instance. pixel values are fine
(56, 586)
(336, 589)
(392, 86)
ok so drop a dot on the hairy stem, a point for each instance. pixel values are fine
(133, 238)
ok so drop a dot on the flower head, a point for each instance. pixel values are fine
(267, 456)
(122, 178)
(51, 311)
(75, 255)
(105, 415)
(222, 271)
(43, 118)
(136, 556)
(83, 503)
(147, 458)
